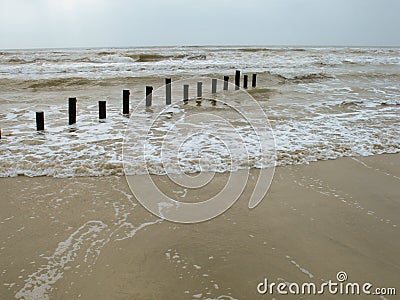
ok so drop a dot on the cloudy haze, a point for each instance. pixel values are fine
(97, 23)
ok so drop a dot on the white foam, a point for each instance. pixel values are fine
(308, 273)
(39, 284)
(331, 111)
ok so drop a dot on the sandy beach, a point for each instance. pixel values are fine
(88, 238)
(204, 150)
(71, 228)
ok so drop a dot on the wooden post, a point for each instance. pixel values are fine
(254, 81)
(226, 80)
(199, 90)
(245, 80)
(185, 92)
(214, 86)
(72, 111)
(149, 95)
(125, 102)
(168, 90)
(237, 80)
(102, 110)
(39, 121)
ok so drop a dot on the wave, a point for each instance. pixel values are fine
(102, 57)
(372, 75)
(150, 57)
(390, 103)
(15, 61)
(64, 82)
(109, 58)
(252, 49)
(61, 82)
(160, 57)
(312, 133)
(309, 78)
(325, 64)
(196, 57)
(32, 60)
(350, 62)
(56, 60)
(93, 168)
(58, 170)
(279, 50)
(65, 78)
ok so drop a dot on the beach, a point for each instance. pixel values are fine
(86, 238)
(72, 223)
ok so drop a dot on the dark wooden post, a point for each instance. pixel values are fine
(125, 102)
(199, 90)
(149, 95)
(254, 81)
(168, 90)
(237, 80)
(245, 80)
(185, 92)
(102, 110)
(214, 86)
(72, 111)
(39, 121)
(226, 80)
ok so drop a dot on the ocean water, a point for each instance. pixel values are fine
(318, 103)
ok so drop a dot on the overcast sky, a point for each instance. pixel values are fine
(97, 23)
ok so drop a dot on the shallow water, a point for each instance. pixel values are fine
(321, 103)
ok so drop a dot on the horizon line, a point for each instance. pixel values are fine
(205, 46)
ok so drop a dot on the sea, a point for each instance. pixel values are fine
(314, 103)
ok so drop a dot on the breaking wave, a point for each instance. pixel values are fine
(323, 103)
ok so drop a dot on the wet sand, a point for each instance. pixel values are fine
(88, 238)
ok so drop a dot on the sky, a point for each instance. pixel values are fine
(124, 23)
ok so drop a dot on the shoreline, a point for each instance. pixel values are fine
(87, 237)
(252, 169)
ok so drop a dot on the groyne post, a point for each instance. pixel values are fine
(214, 86)
(125, 101)
(226, 80)
(245, 80)
(254, 81)
(199, 90)
(237, 80)
(39, 121)
(149, 95)
(102, 110)
(72, 111)
(185, 92)
(168, 91)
